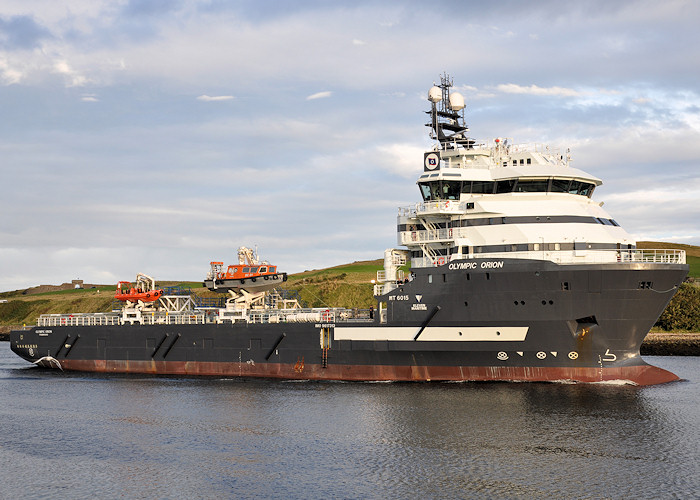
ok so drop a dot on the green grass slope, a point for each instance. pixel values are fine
(348, 285)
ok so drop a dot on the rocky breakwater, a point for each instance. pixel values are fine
(671, 344)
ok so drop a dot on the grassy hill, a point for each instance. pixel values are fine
(347, 285)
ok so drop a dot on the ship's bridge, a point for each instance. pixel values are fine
(465, 174)
(453, 192)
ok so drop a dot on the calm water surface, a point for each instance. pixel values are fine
(83, 436)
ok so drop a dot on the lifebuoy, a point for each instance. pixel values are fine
(441, 261)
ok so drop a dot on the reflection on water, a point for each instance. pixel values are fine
(82, 435)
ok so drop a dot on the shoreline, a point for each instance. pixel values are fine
(655, 343)
(671, 344)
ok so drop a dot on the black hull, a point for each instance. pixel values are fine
(524, 320)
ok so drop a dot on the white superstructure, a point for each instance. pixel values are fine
(496, 199)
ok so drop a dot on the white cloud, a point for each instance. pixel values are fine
(207, 98)
(73, 78)
(405, 160)
(9, 74)
(319, 95)
(513, 88)
(355, 41)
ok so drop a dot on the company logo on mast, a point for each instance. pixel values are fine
(431, 162)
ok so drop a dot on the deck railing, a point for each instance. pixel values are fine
(663, 256)
(434, 207)
(307, 315)
(79, 319)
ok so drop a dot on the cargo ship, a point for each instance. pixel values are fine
(506, 269)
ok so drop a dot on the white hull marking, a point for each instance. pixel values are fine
(435, 333)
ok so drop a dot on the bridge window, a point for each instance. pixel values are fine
(574, 187)
(586, 189)
(505, 186)
(451, 190)
(482, 187)
(440, 190)
(532, 186)
(430, 190)
(581, 188)
(560, 185)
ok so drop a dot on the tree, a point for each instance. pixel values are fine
(683, 312)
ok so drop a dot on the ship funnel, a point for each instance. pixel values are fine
(435, 94)
(456, 101)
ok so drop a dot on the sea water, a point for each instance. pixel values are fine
(75, 435)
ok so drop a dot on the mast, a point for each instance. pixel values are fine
(447, 116)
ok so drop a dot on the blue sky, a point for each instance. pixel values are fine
(156, 136)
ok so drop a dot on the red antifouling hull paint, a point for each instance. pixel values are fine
(640, 374)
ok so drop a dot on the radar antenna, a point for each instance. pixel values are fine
(447, 116)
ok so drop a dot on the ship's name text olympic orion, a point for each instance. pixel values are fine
(490, 264)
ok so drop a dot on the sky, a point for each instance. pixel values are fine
(157, 136)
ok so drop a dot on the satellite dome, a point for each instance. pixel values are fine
(456, 101)
(435, 94)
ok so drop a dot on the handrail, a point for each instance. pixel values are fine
(612, 256)
(442, 206)
(305, 315)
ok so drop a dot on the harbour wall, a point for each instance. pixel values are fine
(671, 344)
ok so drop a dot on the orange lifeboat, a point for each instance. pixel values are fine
(143, 290)
(249, 274)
